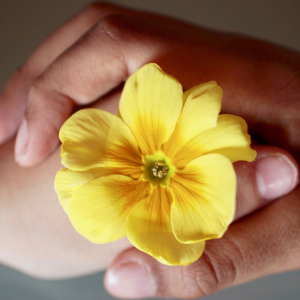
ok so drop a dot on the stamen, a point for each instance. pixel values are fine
(160, 169)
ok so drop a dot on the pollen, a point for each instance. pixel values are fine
(160, 169)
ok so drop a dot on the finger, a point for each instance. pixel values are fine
(100, 61)
(13, 98)
(252, 247)
(273, 174)
(119, 44)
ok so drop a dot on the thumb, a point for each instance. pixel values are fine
(238, 256)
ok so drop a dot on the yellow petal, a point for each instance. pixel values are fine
(149, 230)
(229, 138)
(200, 113)
(203, 198)
(150, 105)
(94, 138)
(99, 209)
(67, 182)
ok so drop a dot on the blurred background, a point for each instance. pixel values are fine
(24, 24)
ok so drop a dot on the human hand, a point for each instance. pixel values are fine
(252, 74)
(37, 237)
(69, 69)
(263, 240)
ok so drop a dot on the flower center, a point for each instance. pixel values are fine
(160, 169)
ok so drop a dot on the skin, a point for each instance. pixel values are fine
(260, 83)
(36, 235)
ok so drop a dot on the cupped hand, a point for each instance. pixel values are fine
(91, 55)
(99, 48)
(37, 237)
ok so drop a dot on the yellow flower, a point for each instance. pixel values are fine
(160, 174)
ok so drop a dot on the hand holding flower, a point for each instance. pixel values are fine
(161, 174)
(260, 83)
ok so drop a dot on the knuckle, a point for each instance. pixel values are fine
(196, 280)
(181, 282)
(199, 278)
(114, 26)
(124, 28)
(217, 269)
(228, 262)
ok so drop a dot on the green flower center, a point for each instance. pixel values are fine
(158, 169)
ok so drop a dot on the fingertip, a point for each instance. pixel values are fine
(130, 276)
(277, 173)
(273, 174)
(32, 149)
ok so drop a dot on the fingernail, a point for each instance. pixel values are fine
(21, 142)
(276, 176)
(130, 280)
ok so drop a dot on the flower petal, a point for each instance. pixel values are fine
(67, 182)
(149, 230)
(94, 138)
(200, 113)
(203, 199)
(99, 209)
(150, 105)
(229, 138)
